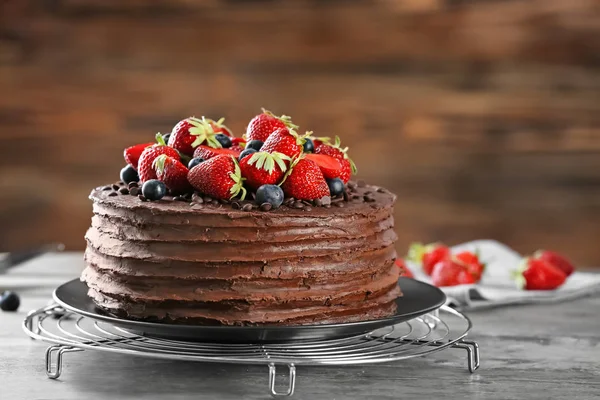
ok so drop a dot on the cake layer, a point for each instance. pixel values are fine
(183, 263)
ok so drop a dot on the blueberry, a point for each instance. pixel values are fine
(246, 152)
(336, 186)
(309, 146)
(166, 137)
(195, 161)
(9, 301)
(154, 189)
(271, 194)
(224, 140)
(254, 144)
(129, 174)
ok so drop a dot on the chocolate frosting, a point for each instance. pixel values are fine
(178, 262)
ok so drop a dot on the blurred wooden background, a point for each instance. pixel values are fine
(483, 116)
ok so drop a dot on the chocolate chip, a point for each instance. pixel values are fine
(346, 196)
(308, 203)
(247, 207)
(223, 201)
(142, 198)
(325, 200)
(339, 204)
(207, 199)
(298, 204)
(368, 192)
(132, 185)
(318, 202)
(352, 185)
(192, 204)
(369, 199)
(381, 190)
(266, 206)
(124, 191)
(134, 191)
(115, 187)
(107, 188)
(327, 206)
(215, 202)
(235, 205)
(356, 197)
(361, 183)
(308, 208)
(112, 194)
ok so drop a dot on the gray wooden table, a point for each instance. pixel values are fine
(528, 352)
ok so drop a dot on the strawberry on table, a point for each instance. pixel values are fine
(207, 152)
(145, 165)
(335, 150)
(286, 141)
(132, 154)
(305, 181)
(558, 260)
(261, 126)
(172, 173)
(451, 272)
(428, 255)
(262, 168)
(538, 274)
(472, 262)
(219, 177)
(191, 132)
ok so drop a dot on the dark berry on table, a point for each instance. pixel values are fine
(254, 144)
(195, 161)
(336, 186)
(154, 189)
(224, 140)
(9, 301)
(271, 194)
(128, 174)
(245, 152)
(309, 146)
(166, 137)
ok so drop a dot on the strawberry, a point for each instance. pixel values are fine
(145, 165)
(304, 180)
(238, 142)
(285, 141)
(207, 152)
(219, 127)
(132, 154)
(172, 173)
(427, 255)
(219, 177)
(558, 260)
(330, 166)
(335, 150)
(261, 126)
(191, 132)
(472, 263)
(404, 271)
(538, 274)
(262, 168)
(451, 272)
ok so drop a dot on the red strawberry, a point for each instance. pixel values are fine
(451, 272)
(427, 255)
(191, 132)
(238, 142)
(305, 181)
(132, 154)
(145, 165)
(263, 168)
(558, 260)
(472, 263)
(219, 127)
(335, 150)
(285, 141)
(537, 274)
(261, 126)
(330, 166)
(219, 177)
(173, 173)
(404, 271)
(207, 152)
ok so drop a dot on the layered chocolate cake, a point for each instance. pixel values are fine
(193, 256)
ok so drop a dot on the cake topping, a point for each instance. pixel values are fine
(336, 186)
(132, 154)
(270, 195)
(335, 150)
(261, 126)
(154, 189)
(195, 161)
(173, 173)
(207, 152)
(219, 177)
(262, 168)
(254, 144)
(305, 181)
(286, 141)
(129, 174)
(145, 165)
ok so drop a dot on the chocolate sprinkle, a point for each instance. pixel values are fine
(235, 205)
(346, 196)
(107, 188)
(308, 208)
(112, 194)
(223, 201)
(215, 202)
(361, 184)
(381, 190)
(132, 185)
(124, 191)
(369, 199)
(356, 197)
(327, 206)
(325, 200)
(207, 199)
(318, 202)
(115, 187)
(298, 204)
(352, 185)
(247, 207)
(340, 205)
(142, 198)
(134, 191)
(266, 206)
(308, 203)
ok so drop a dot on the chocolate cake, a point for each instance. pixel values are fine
(207, 228)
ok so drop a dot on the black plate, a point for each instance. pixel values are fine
(419, 298)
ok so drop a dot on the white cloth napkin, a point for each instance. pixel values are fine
(496, 287)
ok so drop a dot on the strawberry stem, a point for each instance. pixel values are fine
(160, 139)
(236, 176)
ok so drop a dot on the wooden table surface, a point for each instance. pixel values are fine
(527, 352)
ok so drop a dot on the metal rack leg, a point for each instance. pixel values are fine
(291, 384)
(472, 349)
(59, 350)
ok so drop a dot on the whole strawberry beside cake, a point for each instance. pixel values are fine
(208, 228)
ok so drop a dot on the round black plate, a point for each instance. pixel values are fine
(419, 298)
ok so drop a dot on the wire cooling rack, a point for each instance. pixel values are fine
(442, 329)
